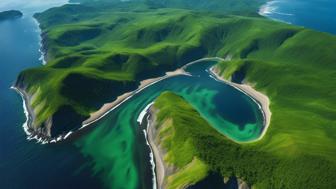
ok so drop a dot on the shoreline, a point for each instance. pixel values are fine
(104, 110)
(40, 137)
(110, 106)
(261, 99)
(26, 110)
(160, 168)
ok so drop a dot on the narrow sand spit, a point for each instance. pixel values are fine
(261, 99)
(108, 107)
(160, 168)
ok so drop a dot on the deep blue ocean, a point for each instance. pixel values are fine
(25, 164)
(315, 14)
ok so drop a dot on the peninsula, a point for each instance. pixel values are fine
(99, 52)
(11, 14)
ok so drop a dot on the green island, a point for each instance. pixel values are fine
(11, 14)
(99, 51)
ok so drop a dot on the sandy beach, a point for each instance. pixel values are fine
(108, 107)
(160, 168)
(261, 99)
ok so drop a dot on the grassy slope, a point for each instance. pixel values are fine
(103, 50)
(183, 129)
(293, 66)
(298, 76)
(173, 136)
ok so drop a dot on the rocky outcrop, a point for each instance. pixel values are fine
(40, 132)
(243, 185)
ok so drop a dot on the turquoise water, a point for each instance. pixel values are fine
(114, 142)
(112, 153)
(315, 14)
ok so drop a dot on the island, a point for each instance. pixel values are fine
(98, 52)
(11, 14)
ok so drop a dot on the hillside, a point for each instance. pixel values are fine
(11, 14)
(96, 53)
(194, 148)
(104, 51)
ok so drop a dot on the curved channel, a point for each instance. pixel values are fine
(117, 144)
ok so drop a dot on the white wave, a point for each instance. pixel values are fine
(25, 110)
(281, 13)
(143, 113)
(269, 8)
(67, 135)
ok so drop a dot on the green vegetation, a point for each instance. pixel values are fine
(180, 150)
(97, 52)
(241, 7)
(11, 14)
(297, 75)
(254, 163)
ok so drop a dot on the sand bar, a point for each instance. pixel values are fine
(108, 107)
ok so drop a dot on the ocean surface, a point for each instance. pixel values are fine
(314, 14)
(228, 110)
(113, 152)
(23, 163)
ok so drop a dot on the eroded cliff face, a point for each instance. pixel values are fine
(43, 131)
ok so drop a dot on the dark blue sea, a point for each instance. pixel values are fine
(314, 14)
(25, 164)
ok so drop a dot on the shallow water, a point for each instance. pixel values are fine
(114, 149)
(315, 14)
(115, 140)
(113, 152)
